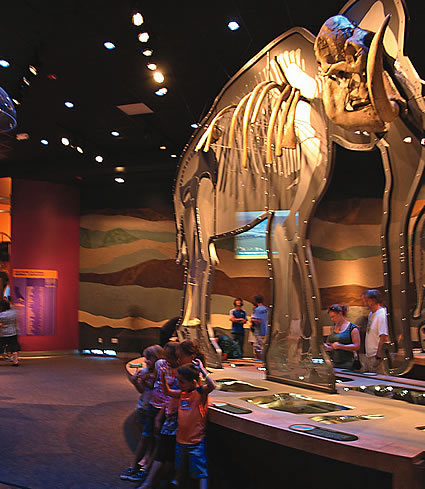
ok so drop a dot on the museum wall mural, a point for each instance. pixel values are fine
(130, 284)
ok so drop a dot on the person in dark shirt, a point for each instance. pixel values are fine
(238, 319)
(229, 348)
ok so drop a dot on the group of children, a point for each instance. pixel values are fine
(172, 408)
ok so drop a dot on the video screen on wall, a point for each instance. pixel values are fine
(252, 243)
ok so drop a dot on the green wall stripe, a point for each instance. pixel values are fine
(100, 239)
(353, 253)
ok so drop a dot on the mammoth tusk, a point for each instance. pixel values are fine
(208, 133)
(263, 93)
(235, 118)
(386, 108)
(247, 113)
(289, 140)
(283, 118)
(272, 123)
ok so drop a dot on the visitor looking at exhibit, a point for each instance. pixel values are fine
(344, 340)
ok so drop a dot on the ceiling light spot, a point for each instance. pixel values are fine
(4, 63)
(109, 45)
(26, 81)
(233, 25)
(16, 101)
(80, 149)
(163, 147)
(65, 141)
(44, 141)
(158, 77)
(143, 37)
(33, 70)
(407, 139)
(173, 156)
(70, 105)
(152, 66)
(115, 133)
(120, 168)
(137, 18)
(22, 136)
(99, 158)
(161, 92)
(52, 76)
(194, 126)
(119, 180)
(147, 52)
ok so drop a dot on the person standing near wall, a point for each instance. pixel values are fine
(9, 332)
(377, 331)
(238, 319)
(259, 320)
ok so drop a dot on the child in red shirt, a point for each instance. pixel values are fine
(192, 417)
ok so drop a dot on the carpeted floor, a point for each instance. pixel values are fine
(66, 423)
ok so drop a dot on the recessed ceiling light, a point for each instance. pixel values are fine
(120, 168)
(16, 102)
(70, 105)
(65, 141)
(194, 125)
(80, 149)
(22, 136)
(44, 141)
(233, 25)
(152, 66)
(173, 156)
(143, 37)
(109, 45)
(163, 147)
(147, 52)
(137, 18)
(99, 158)
(161, 92)
(119, 180)
(115, 133)
(26, 81)
(158, 77)
(4, 63)
(407, 139)
(33, 69)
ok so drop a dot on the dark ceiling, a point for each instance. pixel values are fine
(192, 46)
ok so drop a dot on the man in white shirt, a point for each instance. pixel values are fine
(377, 331)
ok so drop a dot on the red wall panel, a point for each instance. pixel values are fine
(45, 235)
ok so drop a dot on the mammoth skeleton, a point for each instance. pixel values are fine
(267, 145)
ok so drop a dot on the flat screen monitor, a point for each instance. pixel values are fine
(251, 244)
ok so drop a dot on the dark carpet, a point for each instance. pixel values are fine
(66, 423)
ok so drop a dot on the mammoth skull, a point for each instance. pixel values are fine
(357, 92)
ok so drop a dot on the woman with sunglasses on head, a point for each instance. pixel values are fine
(344, 339)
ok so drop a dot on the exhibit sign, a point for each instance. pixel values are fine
(34, 298)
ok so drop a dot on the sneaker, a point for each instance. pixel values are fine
(129, 472)
(138, 476)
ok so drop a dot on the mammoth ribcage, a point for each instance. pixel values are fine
(243, 154)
